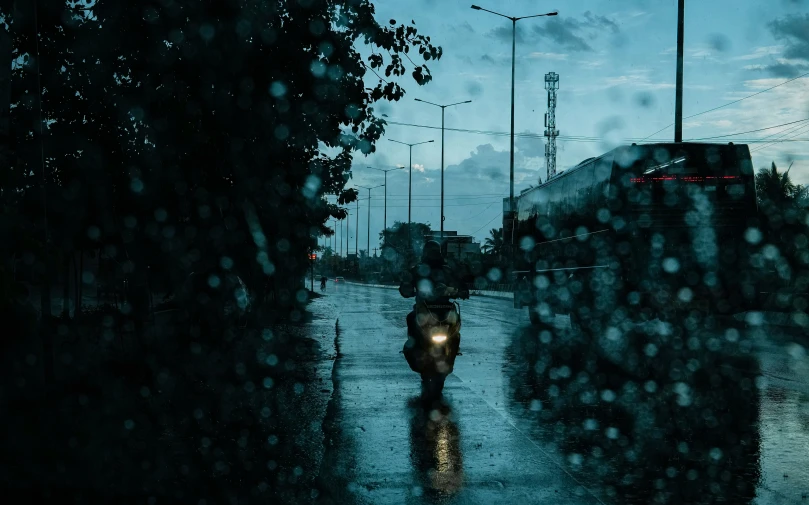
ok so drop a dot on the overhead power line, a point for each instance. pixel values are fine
(751, 131)
(729, 103)
(794, 131)
(485, 225)
(567, 138)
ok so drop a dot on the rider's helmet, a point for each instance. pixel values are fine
(431, 254)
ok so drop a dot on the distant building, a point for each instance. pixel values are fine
(459, 247)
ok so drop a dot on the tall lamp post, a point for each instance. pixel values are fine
(385, 213)
(511, 152)
(442, 155)
(348, 220)
(368, 251)
(410, 191)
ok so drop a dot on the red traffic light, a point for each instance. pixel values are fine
(313, 256)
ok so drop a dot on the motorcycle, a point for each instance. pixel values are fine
(431, 352)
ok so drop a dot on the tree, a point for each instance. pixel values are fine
(396, 238)
(493, 245)
(774, 188)
(192, 133)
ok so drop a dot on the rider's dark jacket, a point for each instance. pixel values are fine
(422, 280)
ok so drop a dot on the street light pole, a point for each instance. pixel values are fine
(410, 192)
(385, 218)
(678, 97)
(368, 251)
(511, 153)
(442, 155)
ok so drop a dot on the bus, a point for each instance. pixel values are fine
(650, 231)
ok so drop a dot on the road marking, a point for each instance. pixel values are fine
(533, 442)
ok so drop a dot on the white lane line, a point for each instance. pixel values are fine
(533, 442)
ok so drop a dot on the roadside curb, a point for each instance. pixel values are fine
(492, 294)
(384, 286)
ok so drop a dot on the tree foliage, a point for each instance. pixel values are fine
(405, 237)
(188, 134)
(493, 244)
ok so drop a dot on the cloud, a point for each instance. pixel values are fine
(590, 64)
(562, 31)
(530, 147)
(638, 79)
(782, 105)
(565, 32)
(487, 165)
(488, 59)
(467, 60)
(601, 22)
(547, 56)
(504, 34)
(464, 27)
(474, 88)
(794, 32)
(610, 124)
(783, 69)
(760, 52)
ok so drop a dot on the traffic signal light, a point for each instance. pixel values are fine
(313, 256)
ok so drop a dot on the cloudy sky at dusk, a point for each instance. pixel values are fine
(616, 62)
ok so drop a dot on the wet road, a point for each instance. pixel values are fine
(486, 444)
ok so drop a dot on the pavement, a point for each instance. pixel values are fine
(485, 444)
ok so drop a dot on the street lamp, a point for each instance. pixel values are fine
(442, 156)
(410, 189)
(511, 155)
(368, 251)
(385, 213)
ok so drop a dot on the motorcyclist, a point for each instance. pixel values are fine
(323, 282)
(431, 281)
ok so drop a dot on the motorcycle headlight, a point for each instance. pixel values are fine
(439, 338)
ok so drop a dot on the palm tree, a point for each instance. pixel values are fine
(802, 195)
(493, 245)
(775, 188)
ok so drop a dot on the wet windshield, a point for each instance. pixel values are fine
(383, 252)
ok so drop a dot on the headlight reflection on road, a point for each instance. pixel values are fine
(447, 476)
(436, 448)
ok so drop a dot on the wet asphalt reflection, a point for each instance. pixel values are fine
(518, 424)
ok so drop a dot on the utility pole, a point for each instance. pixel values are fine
(678, 103)
(511, 217)
(385, 218)
(368, 246)
(410, 195)
(551, 84)
(443, 107)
